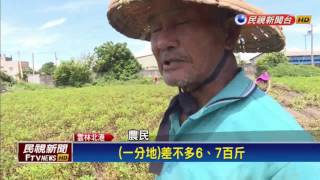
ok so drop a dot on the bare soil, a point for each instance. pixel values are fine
(308, 117)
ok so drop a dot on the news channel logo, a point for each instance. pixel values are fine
(271, 19)
(240, 19)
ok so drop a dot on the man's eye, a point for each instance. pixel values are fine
(154, 29)
(183, 22)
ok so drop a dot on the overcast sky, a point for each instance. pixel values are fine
(72, 28)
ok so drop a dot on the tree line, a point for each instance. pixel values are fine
(110, 61)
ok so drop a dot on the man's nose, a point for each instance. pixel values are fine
(166, 40)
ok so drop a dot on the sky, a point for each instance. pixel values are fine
(73, 28)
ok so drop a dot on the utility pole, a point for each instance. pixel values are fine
(20, 66)
(312, 59)
(55, 59)
(305, 42)
(33, 64)
(305, 46)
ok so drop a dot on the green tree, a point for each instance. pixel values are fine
(25, 73)
(270, 60)
(48, 68)
(72, 73)
(6, 78)
(115, 61)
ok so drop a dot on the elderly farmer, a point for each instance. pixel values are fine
(193, 42)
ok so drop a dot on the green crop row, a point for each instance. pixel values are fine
(55, 114)
(308, 87)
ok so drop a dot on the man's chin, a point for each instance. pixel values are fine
(175, 82)
(170, 82)
(181, 80)
(183, 84)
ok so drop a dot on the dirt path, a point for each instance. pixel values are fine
(308, 116)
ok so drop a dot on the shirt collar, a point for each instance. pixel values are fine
(238, 88)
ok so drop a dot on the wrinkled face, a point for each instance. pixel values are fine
(186, 42)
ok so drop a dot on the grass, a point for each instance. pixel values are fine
(305, 85)
(55, 114)
(309, 87)
(303, 99)
(27, 86)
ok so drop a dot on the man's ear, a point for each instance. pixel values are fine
(232, 34)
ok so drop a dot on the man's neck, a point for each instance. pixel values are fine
(205, 93)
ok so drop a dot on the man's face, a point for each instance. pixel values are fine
(187, 43)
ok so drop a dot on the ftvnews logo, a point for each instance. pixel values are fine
(271, 19)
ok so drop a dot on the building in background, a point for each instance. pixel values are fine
(13, 68)
(149, 66)
(296, 57)
(303, 57)
(41, 79)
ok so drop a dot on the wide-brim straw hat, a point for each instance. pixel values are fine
(130, 17)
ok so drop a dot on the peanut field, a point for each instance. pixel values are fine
(55, 114)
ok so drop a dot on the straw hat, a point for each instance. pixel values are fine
(129, 17)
